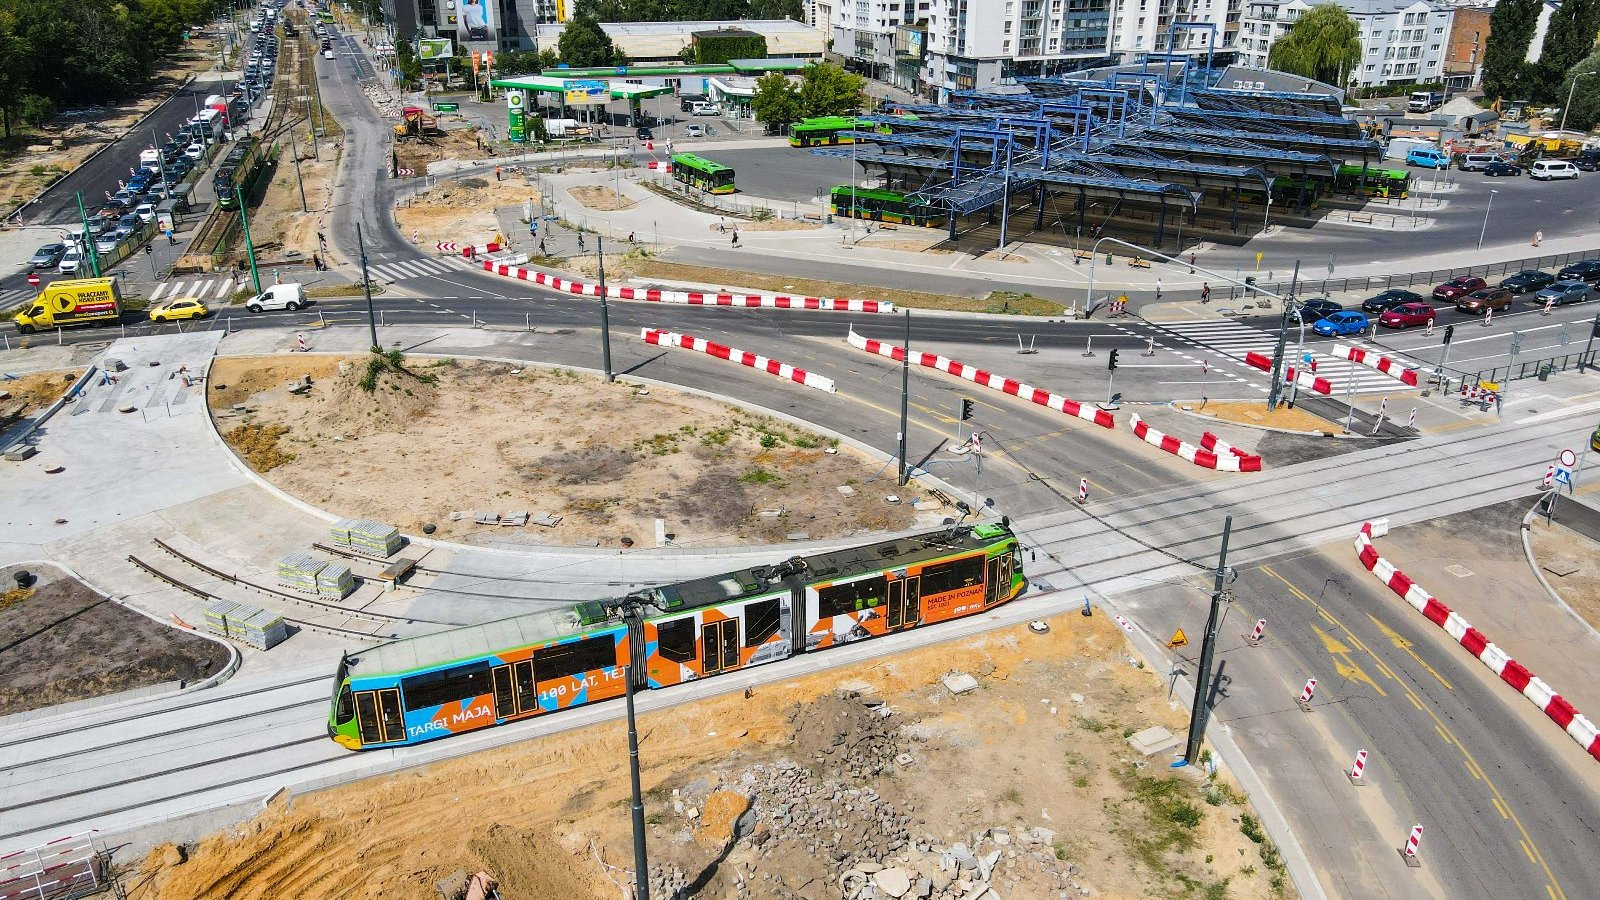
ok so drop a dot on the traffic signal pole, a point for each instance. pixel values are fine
(1111, 367)
(1283, 339)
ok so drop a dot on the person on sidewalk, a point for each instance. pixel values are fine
(542, 251)
(722, 226)
(630, 237)
(580, 240)
(736, 237)
(496, 173)
(1205, 292)
(1537, 237)
(316, 262)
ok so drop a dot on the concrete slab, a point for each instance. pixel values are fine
(1153, 740)
(959, 683)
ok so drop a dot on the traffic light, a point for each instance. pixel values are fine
(1111, 361)
(966, 409)
(1449, 333)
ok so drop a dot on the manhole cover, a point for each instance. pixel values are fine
(1459, 571)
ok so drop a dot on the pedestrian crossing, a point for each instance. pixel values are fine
(212, 288)
(17, 295)
(422, 268)
(1206, 340)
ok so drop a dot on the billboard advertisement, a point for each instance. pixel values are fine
(433, 49)
(580, 93)
(477, 22)
(516, 112)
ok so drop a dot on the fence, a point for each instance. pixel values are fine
(1536, 368)
(1314, 287)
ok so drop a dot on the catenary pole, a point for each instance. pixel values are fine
(641, 860)
(1283, 338)
(905, 401)
(605, 313)
(1197, 716)
(366, 288)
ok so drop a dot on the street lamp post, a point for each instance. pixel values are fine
(1563, 129)
(1485, 227)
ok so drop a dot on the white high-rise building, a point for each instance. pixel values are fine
(1401, 40)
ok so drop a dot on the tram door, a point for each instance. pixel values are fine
(505, 697)
(378, 716)
(527, 690)
(998, 578)
(719, 646)
(905, 602)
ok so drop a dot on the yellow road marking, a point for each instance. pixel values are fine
(1470, 770)
(1442, 733)
(1500, 808)
(1554, 886)
(1343, 664)
(1400, 642)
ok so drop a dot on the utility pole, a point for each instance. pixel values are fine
(605, 313)
(249, 246)
(296, 149)
(366, 287)
(905, 400)
(1283, 338)
(1219, 595)
(641, 860)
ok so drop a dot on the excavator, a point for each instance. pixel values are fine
(416, 123)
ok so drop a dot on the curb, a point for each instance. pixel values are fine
(1211, 457)
(28, 430)
(1533, 564)
(1173, 404)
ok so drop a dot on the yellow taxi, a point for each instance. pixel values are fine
(180, 308)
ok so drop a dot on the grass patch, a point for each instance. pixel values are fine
(1011, 795)
(389, 361)
(1250, 826)
(258, 444)
(1013, 303)
(759, 475)
(1169, 817)
(335, 290)
(808, 287)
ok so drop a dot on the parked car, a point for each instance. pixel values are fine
(1500, 167)
(1563, 292)
(1527, 281)
(694, 129)
(1584, 269)
(181, 308)
(70, 261)
(1389, 300)
(1588, 160)
(1552, 169)
(1346, 322)
(106, 243)
(1474, 162)
(1428, 157)
(47, 256)
(327, 54)
(1459, 287)
(1315, 310)
(1406, 315)
(646, 134)
(1483, 300)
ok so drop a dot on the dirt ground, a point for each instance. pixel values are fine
(25, 393)
(1254, 412)
(488, 437)
(278, 225)
(593, 196)
(112, 647)
(806, 789)
(459, 143)
(770, 225)
(31, 159)
(462, 211)
(1559, 548)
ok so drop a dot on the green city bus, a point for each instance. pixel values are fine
(1394, 184)
(703, 174)
(824, 131)
(879, 205)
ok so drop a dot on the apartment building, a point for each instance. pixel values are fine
(1401, 40)
(1463, 53)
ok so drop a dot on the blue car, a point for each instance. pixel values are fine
(1347, 322)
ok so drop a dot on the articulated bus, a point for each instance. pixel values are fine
(879, 205)
(825, 131)
(704, 174)
(1394, 184)
(421, 688)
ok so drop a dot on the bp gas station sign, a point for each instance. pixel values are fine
(516, 109)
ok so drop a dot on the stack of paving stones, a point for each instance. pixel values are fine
(366, 537)
(249, 625)
(298, 571)
(335, 582)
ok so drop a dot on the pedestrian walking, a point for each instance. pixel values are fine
(542, 251)
(1537, 237)
(496, 173)
(316, 261)
(630, 237)
(580, 240)
(1205, 292)
(1158, 290)
(736, 237)
(170, 239)
(722, 226)
(1191, 264)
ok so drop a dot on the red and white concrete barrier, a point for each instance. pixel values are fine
(1510, 671)
(1258, 361)
(1309, 381)
(480, 249)
(1206, 459)
(1381, 363)
(1223, 448)
(770, 366)
(988, 379)
(691, 298)
(659, 166)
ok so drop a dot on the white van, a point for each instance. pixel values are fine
(707, 109)
(150, 158)
(1547, 169)
(279, 296)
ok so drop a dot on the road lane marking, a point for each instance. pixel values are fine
(1526, 848)
(1443, 735)
(1342, 663)
(1500, 808)
(1400, 642)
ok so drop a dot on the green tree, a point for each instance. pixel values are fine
(826, 89)
(583, 43)
(776, 102)
(776, 9)
(1568, 40)
(1585, 110)
(1324, 44)
(1505, 57)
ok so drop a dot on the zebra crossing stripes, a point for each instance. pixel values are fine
(1234, 339)
(16, 296)
(212, 288)
(401, 270)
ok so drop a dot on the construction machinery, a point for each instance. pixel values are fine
(416, 123)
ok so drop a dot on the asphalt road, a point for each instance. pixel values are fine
(59, 205)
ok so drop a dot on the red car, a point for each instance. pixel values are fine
(1456, 288)
(1406, 315)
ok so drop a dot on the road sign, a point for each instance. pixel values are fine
(1568, 459)
(405, 173)
(1564, 476)
(447, 246)
(446, 107)
(33, 279)
(1179, 639)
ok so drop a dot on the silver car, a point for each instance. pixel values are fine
(1563, 292)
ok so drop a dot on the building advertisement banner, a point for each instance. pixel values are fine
(582, 93)
(477, 22)
(516, 99)
(434, 49)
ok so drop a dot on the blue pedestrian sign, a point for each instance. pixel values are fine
(1564, 476)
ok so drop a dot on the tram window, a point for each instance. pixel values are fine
(760, 622)
(447, 686)
(854, 596)
(675, 639)
(346, 707)
(576, 658)
(952, 576)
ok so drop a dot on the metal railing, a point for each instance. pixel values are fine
(1534, 368)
